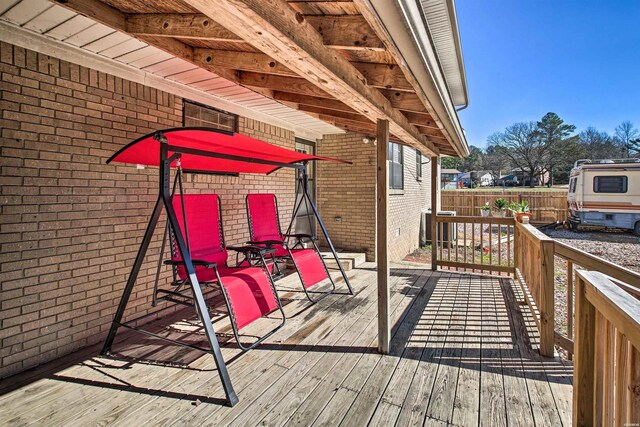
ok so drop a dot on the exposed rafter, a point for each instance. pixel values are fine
(276, 29)
(312, 101)
(114, 18)
(184, 26)
(328, 66)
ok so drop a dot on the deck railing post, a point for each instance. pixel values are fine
(547, 298)
(584, 380)
(434, 213)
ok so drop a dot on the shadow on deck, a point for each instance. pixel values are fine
(463, 352)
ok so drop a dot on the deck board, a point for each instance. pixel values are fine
(463, 352)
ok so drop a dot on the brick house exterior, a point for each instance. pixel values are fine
(70, 224)
(350, 195)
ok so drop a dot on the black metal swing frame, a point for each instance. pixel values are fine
(302, 190)
(164, 201)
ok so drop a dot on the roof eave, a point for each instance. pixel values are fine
(413, 42)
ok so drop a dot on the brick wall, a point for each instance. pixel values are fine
(349, 192)
(70, 225)
(405, 207)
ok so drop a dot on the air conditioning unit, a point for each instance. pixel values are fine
(448, 230)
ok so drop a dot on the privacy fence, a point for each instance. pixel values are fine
(546, 206)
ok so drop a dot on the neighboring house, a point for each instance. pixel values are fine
(524, 179)
(476, 178)
(449, 179)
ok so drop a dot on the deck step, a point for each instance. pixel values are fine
(349, 260)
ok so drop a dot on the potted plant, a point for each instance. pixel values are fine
(520, 211)
(501, 206)
(485, 210)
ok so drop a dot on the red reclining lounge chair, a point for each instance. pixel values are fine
(264, 230)
(248, 290)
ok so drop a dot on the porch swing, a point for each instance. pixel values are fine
(201, 257)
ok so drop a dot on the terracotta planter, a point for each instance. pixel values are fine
(521, 216)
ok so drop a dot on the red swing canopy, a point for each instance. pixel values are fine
(213, 151)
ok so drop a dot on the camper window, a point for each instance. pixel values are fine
(610, 184)
(572, 185)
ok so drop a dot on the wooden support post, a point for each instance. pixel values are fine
(384, 323)
(584, 380)
(435, 206)
(547, 299)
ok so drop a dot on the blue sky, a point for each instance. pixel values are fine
(579, 59)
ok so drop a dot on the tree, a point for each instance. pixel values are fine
(628, 137)
(473, 162)
(522, 146)
(600, 145)
(495, 163)
(635, 147)
(553, 136)
(451, 163)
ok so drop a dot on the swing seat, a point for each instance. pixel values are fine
(264, 230)
(248, 290)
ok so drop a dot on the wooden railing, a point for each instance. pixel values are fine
(503, 246)
(607, 360)
(536, 273)
(480, 244)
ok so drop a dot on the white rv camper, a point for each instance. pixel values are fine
(605, 193)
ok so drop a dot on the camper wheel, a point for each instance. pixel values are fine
(636, 229)
(573, 226)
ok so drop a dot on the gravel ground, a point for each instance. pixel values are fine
(618, 247)
(621, 248)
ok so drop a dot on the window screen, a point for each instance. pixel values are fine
(194, 114)
(610, 184)
(418, 164)
(396, 166)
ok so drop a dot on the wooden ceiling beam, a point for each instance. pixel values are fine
(281, 83)
(420, 119)
(275, 29)
(404, 100)
(335, 114)
(349, 32)
(245, 61)
(383, 76)
(376, 75)
(312, 101)
(339, 32)
(114, 18)
(185, 26)
(432, 133)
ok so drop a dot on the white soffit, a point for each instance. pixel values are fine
(54, 30)
(443, 29)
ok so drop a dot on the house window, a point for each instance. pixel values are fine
(610, 184)
(396, 167)
(418, 165)
(198, 115)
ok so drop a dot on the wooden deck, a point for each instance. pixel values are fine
(463, 353)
